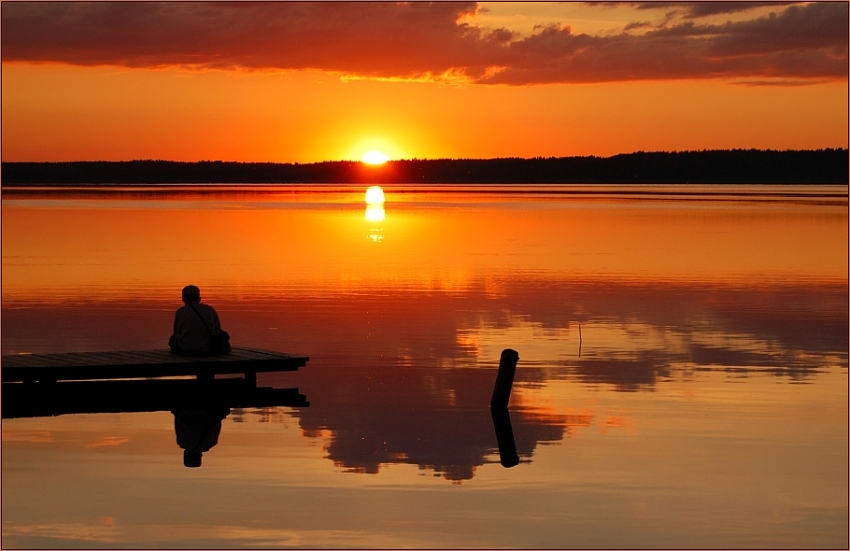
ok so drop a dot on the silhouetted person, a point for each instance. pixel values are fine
(197, 431)
(197, 329)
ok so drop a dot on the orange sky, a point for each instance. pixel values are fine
(306, 82)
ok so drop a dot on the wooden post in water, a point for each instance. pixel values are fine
(504, 379)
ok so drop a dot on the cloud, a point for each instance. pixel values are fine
(371, 38)
(692, 10)
(425, 40)
(808, 42)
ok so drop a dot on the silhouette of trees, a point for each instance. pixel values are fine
(822, 166)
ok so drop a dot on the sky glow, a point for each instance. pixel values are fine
(314, 81)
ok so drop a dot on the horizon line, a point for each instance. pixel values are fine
(418, 159)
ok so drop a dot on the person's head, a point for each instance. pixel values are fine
(191, 294)
(191, 458)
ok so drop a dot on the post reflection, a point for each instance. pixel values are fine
(508, 456)
(435, 419)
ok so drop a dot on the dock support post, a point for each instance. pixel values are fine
(504, 379)
(206, 376)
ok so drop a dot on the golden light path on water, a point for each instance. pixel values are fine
(375, 212)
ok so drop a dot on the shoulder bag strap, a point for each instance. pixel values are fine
(202, 320)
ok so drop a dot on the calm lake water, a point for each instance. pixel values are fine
(682, 382)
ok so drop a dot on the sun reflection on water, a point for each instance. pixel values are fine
(375, 196)
(375, 212)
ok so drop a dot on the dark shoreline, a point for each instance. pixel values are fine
(823, 166)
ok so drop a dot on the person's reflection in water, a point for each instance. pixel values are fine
(197, 431)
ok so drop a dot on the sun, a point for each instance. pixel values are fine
(374, 157)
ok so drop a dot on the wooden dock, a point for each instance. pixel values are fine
(143, 364)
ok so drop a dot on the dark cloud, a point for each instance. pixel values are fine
(638, 25)
(424, 40)
(370, 38)
(692, 10)
(802, 42)
(818, 26)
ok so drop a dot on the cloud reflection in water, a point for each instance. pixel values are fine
(406, 376)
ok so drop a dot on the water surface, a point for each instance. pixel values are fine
(682, 379)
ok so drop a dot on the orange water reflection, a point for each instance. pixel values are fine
(304, 243)
(696, 317)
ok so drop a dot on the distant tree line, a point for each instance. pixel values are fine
(822, 166)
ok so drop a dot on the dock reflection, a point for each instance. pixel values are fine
(60, 398)
(198, 406)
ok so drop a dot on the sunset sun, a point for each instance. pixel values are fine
(374, 157)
